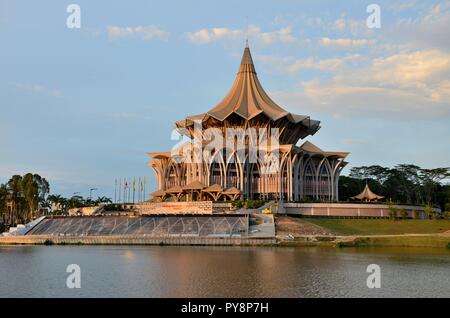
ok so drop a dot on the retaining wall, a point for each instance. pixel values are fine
(351, 210)
(135, 240)
(180, 207)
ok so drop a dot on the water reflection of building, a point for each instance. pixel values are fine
(304, 171)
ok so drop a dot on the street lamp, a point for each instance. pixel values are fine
(90, 192)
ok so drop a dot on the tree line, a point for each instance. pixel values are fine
(23, 198)
(61, 205)
(404, 183)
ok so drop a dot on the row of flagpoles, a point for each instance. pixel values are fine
(130, 190)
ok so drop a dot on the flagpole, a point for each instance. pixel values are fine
(129, 190)
(139, 190)
(134, 187)
(145, 181)
(115, 190)
(120, 190)
(124, 190)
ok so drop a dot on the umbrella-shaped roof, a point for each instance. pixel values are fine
(248, 99)
(313, 149)
(195, 185)
(159, 193)
(175, 189)
(232, 190)
(367, 195)
(214, 188)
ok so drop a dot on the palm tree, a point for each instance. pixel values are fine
(75, 201)
(105, 200)
(56, 200)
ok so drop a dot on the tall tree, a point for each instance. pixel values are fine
(31, 194)
(15, 193)
(431, 179)
(3, 198)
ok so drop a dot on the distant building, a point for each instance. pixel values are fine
(87, 210)
(300, 172)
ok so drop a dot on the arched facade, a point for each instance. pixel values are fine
(305, 172)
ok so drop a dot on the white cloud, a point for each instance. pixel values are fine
(342, 100)
(254, 33)
(36, 88)
(411, 69)
(205, 36)
(289, 65)
(429, 30)
(441, 92)
(147, 33)
(401, 86)
(345, 42)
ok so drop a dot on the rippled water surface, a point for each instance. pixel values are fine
(40, 271)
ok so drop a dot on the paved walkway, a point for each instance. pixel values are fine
(264, 228)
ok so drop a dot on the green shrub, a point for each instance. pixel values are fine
(48, 242)
(248, 204)
(428, 209)
(238, 204)
(392, 212)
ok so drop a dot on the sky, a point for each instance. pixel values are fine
(83, 106)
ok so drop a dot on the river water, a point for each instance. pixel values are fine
(124, 271)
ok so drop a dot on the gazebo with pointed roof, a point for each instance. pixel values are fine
(367, 195)
(214, 191)
(303, 171)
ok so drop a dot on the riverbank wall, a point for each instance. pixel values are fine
(407, 240)
(134, 240)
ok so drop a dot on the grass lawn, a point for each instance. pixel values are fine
(381, 227)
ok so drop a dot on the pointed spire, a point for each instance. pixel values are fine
(247, 98)
(247, 62)
(247, 56)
